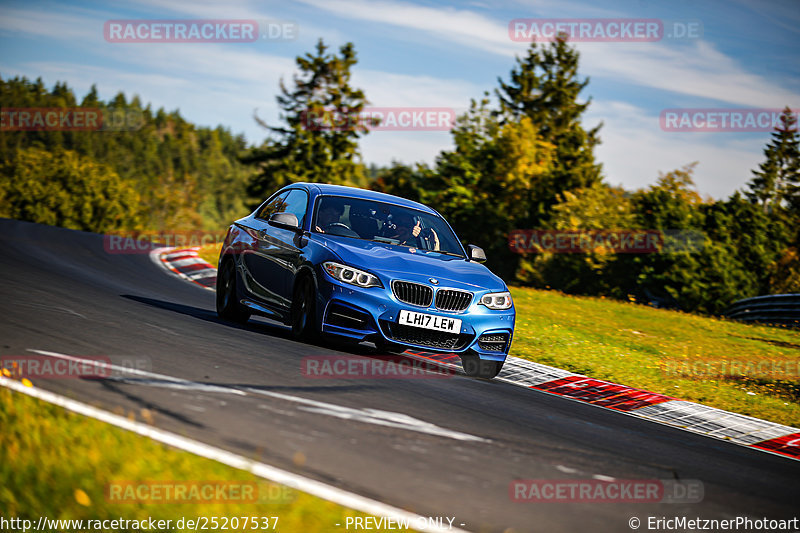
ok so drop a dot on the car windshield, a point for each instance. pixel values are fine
(381, 222)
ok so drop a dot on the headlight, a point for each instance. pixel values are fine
(351, 275)
(497, 300)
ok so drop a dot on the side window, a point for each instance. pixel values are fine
(297, 203)
(276, 205)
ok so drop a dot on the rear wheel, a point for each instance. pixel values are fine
(228, 306)
(304, 310)
(474, 366)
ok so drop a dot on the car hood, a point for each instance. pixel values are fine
(399, 262)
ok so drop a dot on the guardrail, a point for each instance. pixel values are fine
(779, 309)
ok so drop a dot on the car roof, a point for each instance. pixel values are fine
(364, 194)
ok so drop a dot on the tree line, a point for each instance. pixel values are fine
(521, 159)
(155, 173)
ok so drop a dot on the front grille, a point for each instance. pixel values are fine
(413, 293)
(450, 300)
(425, 337)
(438, 340)
(494, 342)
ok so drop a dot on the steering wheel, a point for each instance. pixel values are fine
(342, 230)
(337, 225)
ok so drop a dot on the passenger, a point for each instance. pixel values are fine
(408, 233)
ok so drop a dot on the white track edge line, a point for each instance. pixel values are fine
(290, 479)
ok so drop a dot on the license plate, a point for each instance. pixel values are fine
(422, 320)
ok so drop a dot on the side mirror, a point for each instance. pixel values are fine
(476, 254)
(285, 221)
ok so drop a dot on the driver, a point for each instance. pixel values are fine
(330, 213)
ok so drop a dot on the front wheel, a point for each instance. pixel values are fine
(228, 306)
(304, 311)
(474, 366)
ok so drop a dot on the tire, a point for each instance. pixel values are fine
(303, 313)
(475, 367)
(228, 306)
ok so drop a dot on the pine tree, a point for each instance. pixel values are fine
(307, 150)
(91, 99)
(777, 182)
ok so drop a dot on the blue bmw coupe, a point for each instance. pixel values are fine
(366, 266)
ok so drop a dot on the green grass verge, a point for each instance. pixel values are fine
(669, 352)
(657, 350)
(57, 464)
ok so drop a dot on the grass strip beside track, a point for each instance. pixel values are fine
(58, 464)
(678, 354)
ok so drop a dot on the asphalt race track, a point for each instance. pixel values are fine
(440, 447)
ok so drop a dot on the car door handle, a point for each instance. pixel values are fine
(261, 234)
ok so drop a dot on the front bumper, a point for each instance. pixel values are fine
(372, 314)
